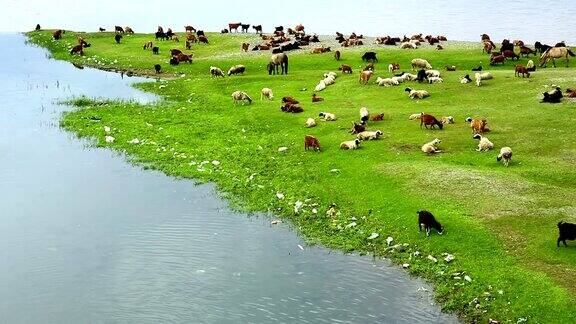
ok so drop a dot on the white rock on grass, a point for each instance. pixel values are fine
(448, 257)
(215, 163)
(389, 240)
(353, 224)
(373, 236)
(467, 278)
(280, 195)
(134, 141)
(282, 149)
(405, 265)
(297, 206)
(431, 258)
(107, 129)
(109, 139)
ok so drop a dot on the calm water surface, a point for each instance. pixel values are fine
(85, 237)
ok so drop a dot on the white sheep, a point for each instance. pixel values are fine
(482, 76)
(505, 155)
(327, 116)
(416, 116)
(421, 64)
(408, 45)
(410, 76)
(431, 147)
(321, 86)
(267, 93)
(435, 80)
(484, 144)
(447, 120)
(350, 145)
(432, 73)
(241, 96)
(387, 82)
(530, 64)
(399, 79)
(465, 79)
(330, 74)
(310, 122)
(368, 135)
(417, 94)
(329, 80)
(216, 72)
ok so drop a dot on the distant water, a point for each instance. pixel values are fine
(87, 238)
(529, 20)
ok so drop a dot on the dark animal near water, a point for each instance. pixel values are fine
(369, 56)
(567, 231)
(429, 120)
(157, 68)
(311, 142)
(553, 96)
(174, 61)
(155, 50)
(521, 69)
(57, 34)
(479, 68)
(117, 38)
(426, 219)
(78, 49)
(234, 26)
(184, 58)
(37, 27)
(279, 59)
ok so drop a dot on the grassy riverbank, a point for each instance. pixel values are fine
(500, 222)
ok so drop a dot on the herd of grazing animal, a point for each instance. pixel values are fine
(278, 64)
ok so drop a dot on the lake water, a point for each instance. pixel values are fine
(87, 238)
(529, 20)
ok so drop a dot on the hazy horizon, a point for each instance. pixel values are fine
(458, 20)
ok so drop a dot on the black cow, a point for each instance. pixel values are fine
(567, 232)
(427, 219)
(369, 56)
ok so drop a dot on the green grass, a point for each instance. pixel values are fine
(500, 222)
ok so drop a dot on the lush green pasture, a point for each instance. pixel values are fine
(500, 222)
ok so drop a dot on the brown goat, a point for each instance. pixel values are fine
(289, 99)
(521, 69)
(378, 117)
(479, 126)
(365, 76)
(316, 98)
(429, 120)
(357, 128)
(345, 68)
(311, 142)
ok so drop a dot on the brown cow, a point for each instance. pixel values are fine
(128, 30)
(234, 26)
(57, 34)
(311, 142)
(203, 39)
(78, 49)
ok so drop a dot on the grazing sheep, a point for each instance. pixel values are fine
(479, 76)
(505, 155)
(320, 86)
(311, 142)
(432, 73)
(465, 79)
(364, 115)
(415, 116)
(431, 147)
(426, 219)
(327, 116)
(521, 69)
(291, 108)
(447, 120)
(237, 69)
(368, 136)
(310, 122)
(484, 144)
(241, 96)
(357, 128)
(345, 68)
(148, 45)
(429, 120)
(266, 93)
(386, 82)
(567, 231)
(421, 64)
(157, 68)
(365, 76)
(450, 68)
(408, 45)
(478, 125)
(435, 80)
(378, 117)
(350, 145)
(553, 96)
(398, 79)
(329, 80)
(417, 94)
(410, 76)
(316, 98)
(216, 72)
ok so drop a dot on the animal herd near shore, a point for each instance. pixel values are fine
(365, 129)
